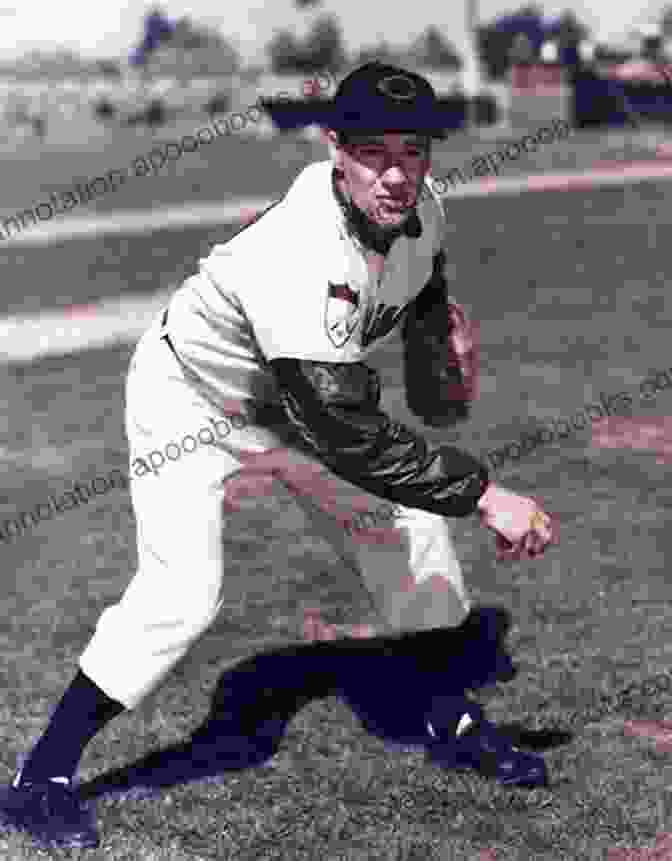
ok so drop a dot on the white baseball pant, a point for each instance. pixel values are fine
(415, 582)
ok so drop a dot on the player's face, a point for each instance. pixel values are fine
(383, 174)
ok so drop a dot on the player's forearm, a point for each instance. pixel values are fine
(334, 410)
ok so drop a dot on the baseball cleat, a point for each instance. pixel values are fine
(50, 811)
(482, 747)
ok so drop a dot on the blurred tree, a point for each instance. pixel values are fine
(568, 28)
(284, 52)
(533, 11)
(383, 51)
(666, 22)
(109, 68)
(321, 49)
(568, 32)
(193, 50)
(39, 64)
(156, 30)
(433, 51)
(493, 48)
(324, 45)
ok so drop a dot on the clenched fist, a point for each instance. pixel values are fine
(521, 527)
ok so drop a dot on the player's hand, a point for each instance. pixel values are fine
(522, 528)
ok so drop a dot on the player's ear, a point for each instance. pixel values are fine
(335, 148)
(428, 144)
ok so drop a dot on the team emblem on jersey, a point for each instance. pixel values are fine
(384, 320)
(343, 313)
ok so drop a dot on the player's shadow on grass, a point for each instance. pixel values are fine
(170, 766)
(175, 765)
(249, 714)
(536, 739)
(189, 761)
(251, 707)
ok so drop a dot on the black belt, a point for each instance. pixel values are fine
(166, 337)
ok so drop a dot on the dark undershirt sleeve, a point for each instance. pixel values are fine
(334, 409)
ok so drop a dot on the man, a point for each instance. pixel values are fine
(275, 328)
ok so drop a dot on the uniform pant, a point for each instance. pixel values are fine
(183, 511)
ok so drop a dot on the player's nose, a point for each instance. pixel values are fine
(394, 176)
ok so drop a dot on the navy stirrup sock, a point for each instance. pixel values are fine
(82, 712)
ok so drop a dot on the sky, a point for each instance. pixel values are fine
(116, 24)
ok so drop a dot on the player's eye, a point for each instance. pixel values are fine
(412, 152)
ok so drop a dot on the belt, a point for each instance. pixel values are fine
(166, 336)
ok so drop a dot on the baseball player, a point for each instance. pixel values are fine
(267, 344)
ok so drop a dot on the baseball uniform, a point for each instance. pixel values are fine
(269, 340)
(262, 367)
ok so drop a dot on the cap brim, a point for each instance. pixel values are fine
(286, 114)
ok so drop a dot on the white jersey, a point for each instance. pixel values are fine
(295, 284)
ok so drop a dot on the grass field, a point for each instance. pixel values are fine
(570, 293)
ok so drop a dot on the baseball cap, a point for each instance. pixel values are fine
(379, 97)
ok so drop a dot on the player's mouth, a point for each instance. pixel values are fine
(393, 205)
(393, 211)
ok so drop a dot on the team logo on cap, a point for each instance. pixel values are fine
(398, 87)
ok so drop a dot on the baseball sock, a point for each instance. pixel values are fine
(82, 712)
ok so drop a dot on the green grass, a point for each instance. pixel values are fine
(571, 293)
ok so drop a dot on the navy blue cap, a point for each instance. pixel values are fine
(378, 97)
